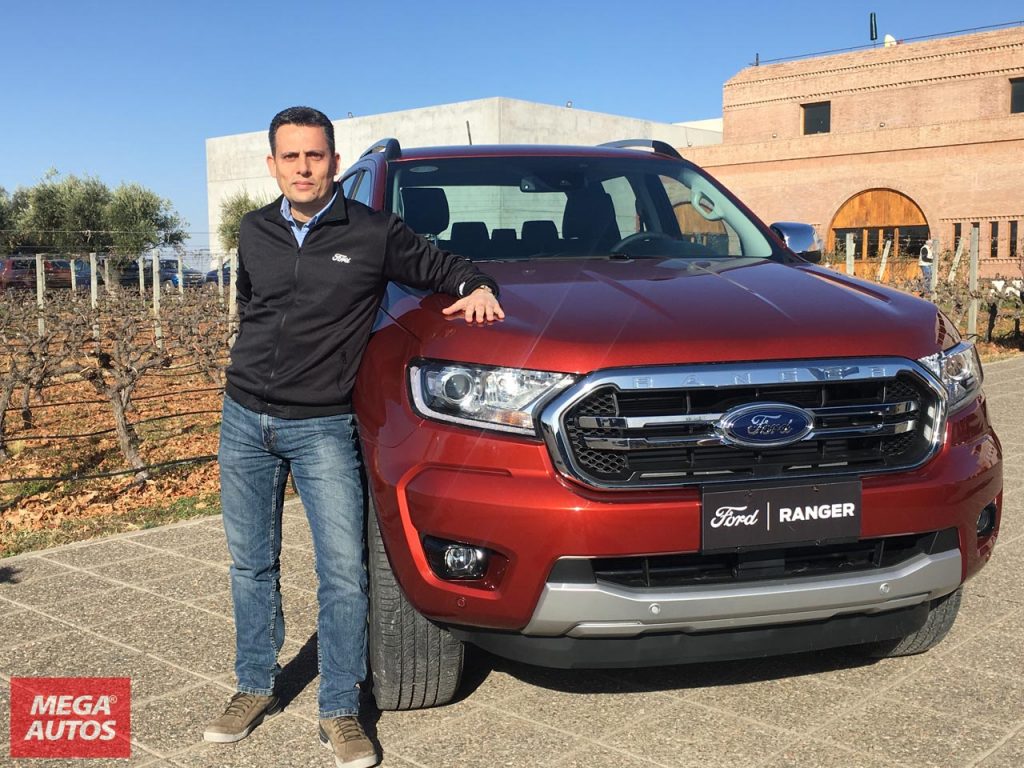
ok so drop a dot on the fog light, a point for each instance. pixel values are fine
(453, 560)
(987, 519)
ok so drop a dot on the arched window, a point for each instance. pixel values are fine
(875, 216)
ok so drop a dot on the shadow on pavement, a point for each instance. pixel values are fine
(298, 673)
(302, 670)
(480, 664)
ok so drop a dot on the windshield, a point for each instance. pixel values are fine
(513, 207)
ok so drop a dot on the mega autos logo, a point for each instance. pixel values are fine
(71, 717)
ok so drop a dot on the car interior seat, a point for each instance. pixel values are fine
(470, 239)
(588, 224)
(425, 210)
(504, 243)
(539, 236)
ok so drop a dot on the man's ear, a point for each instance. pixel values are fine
(271, 165)
(337, 165)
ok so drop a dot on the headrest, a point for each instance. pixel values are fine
(503, 236)
(425, 209)
(470, 239)
(589, 214)
(470, 230)
(540, 231)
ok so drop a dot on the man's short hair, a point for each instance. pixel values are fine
(301, 116)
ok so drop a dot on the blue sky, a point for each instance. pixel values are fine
(130, 90)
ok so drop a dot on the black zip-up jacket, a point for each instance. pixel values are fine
(306, 313)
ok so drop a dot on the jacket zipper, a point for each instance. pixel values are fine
(280, 327)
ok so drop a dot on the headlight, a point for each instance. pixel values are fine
(480, 396)
(959, 371)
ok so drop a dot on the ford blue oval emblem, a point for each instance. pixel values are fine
(765, 425)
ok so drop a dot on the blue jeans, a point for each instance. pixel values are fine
(257, 452)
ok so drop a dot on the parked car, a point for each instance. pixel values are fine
(58, 273)
(20, 272)
(83, 273)
(129, 275)
(225, 275)
(684, 443)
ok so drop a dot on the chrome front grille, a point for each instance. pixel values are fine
(663, 426)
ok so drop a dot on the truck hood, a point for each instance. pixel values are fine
(579, 315)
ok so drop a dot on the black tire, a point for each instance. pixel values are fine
(941, 615)
(415, 663)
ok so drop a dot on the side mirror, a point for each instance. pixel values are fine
(800, 238)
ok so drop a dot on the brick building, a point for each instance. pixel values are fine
(902, 142)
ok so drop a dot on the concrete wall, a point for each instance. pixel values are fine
(235, 163)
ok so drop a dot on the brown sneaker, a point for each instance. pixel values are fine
(345, 737)
(244, 712)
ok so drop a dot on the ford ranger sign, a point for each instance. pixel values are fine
(743, 517)
(765, 425)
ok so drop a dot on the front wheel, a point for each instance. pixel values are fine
(414, 662)
(941, 614)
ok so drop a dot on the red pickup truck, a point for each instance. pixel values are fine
(686, 442)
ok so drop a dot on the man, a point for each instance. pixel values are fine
(312, 268)
(926, 262)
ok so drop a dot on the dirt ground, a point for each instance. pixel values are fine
(29, 501)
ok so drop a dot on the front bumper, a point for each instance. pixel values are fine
(679, 647)
(503, 493)
(606, 610)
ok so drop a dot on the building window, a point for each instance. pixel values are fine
(855, 234)
(817, 117)
(911, 240)
(876, 217)
(957, 234)
(993, 241)
(1013, 239)
(1016, 95)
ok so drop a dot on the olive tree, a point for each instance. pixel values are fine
(139, 220)
(66, 215)
(232, 209)
(8, 220)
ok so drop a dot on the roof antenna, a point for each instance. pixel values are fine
(469, 133)
(874, 27)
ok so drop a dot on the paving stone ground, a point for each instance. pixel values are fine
(155, 606)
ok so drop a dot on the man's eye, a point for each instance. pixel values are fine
(314, 156)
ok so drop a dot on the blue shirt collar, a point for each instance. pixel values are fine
(300, 230)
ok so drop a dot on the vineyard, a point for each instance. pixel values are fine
(110, 401)
(110, 408)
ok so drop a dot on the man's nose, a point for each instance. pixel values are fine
(304, 166)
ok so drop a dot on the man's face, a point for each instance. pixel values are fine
(304, 167)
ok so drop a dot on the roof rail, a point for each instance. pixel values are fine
(390, 147)
(661, 147)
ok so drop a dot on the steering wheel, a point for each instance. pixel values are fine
(646, 240)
